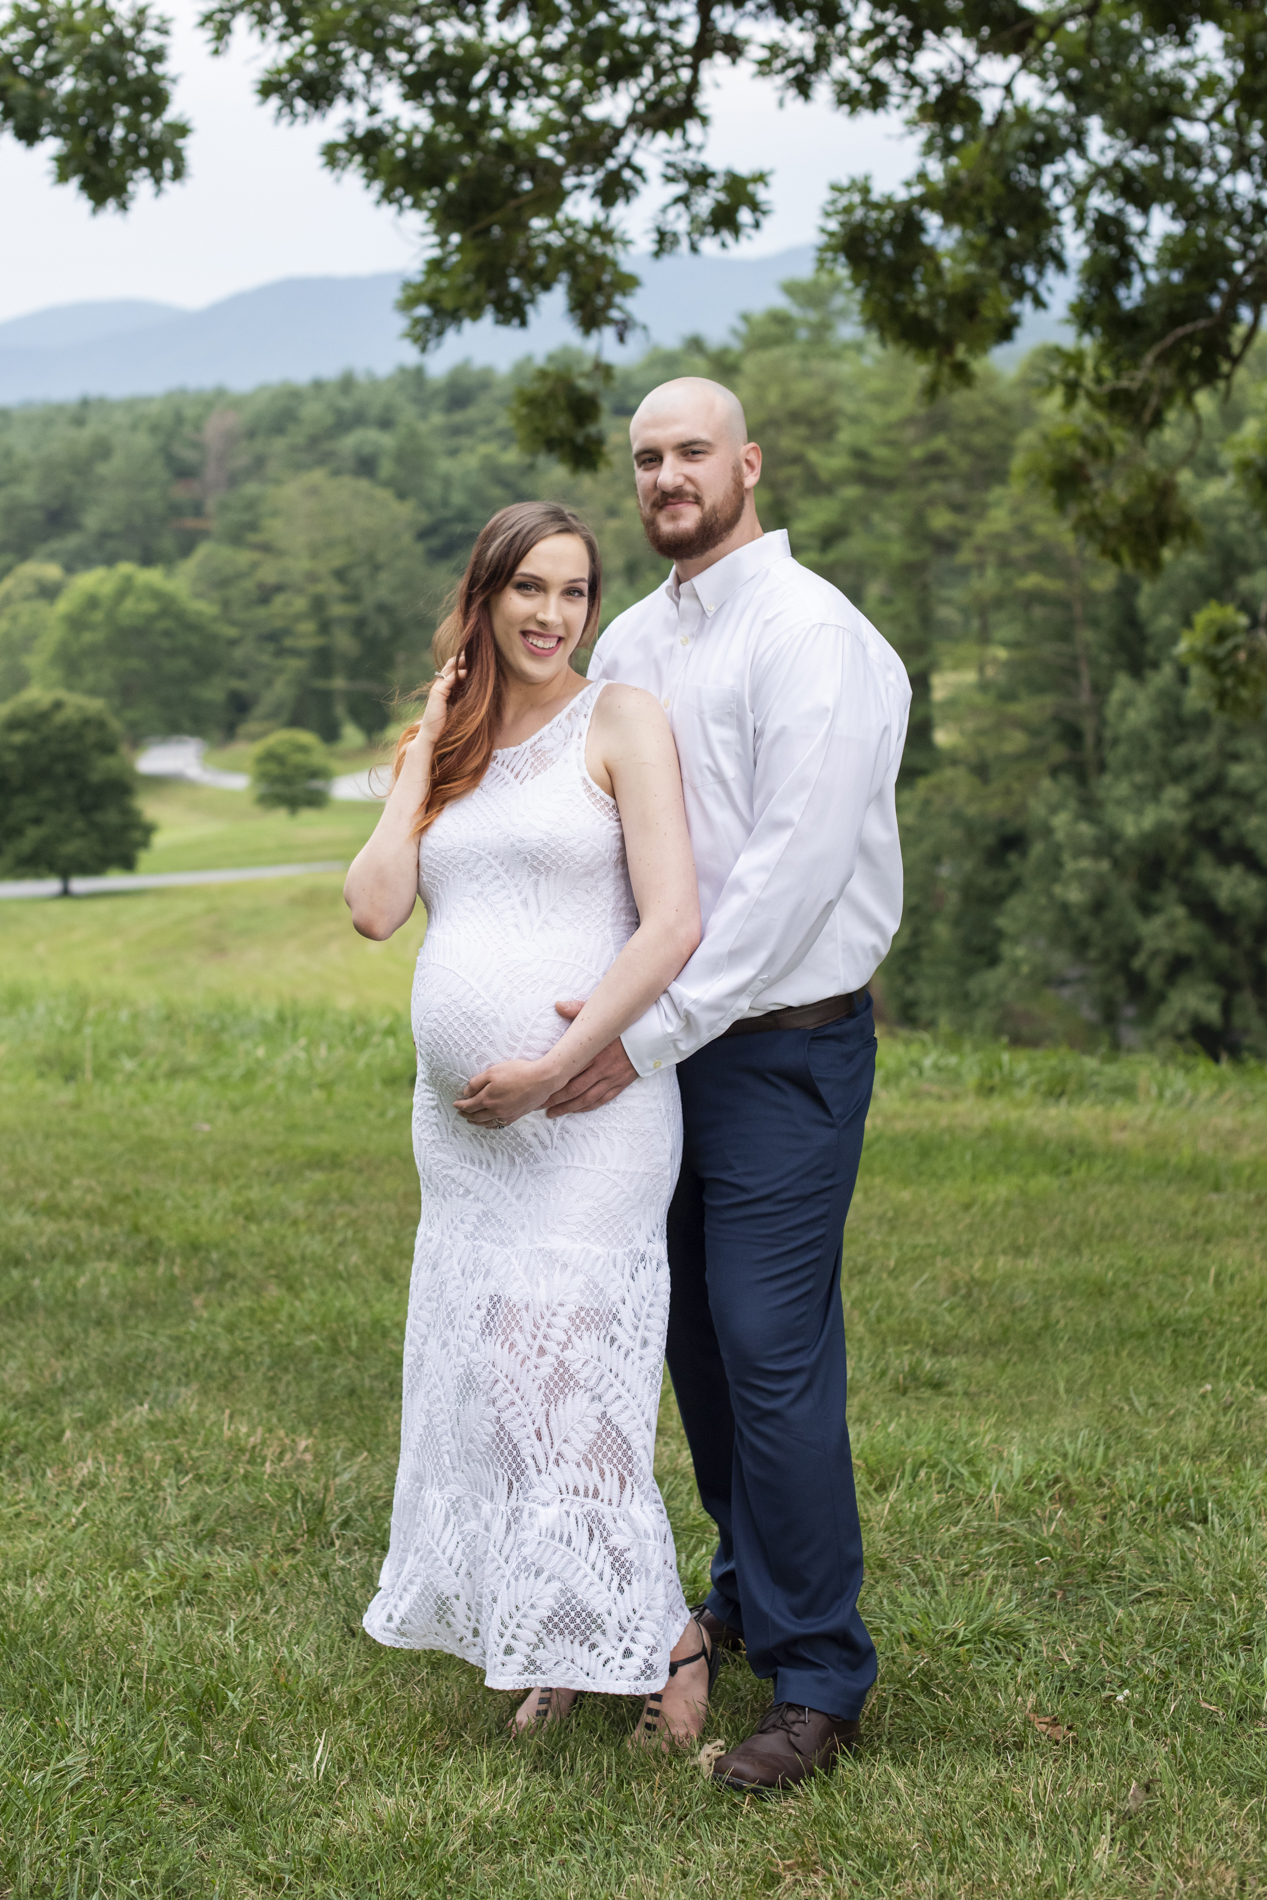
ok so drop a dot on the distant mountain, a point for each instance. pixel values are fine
(305, 327)
(69, 324)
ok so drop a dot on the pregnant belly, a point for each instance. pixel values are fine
(467, 1015)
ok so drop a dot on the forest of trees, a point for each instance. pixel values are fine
(1085, 835)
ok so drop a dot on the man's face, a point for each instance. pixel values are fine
(691, 478)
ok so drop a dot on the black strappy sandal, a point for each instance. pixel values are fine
(541, 1714)
(651, 1722)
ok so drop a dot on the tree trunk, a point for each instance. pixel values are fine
(1087, 707)
(920, 753)
(916, 647)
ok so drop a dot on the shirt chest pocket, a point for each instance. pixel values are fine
(706, 727)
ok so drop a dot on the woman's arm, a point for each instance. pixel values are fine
(630, 744)
(382, 880)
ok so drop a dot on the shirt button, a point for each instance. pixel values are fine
(710, 608)
(685, 642)
(655, 1065)
(665, 704)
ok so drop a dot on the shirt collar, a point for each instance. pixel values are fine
(717, 583)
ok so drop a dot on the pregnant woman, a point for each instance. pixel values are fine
(541, 821)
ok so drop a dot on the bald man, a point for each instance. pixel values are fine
(789, 712)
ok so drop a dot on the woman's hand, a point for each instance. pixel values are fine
(436, 711)
(501, 1094)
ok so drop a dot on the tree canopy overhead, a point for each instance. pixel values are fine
(90, 78)
(1120, 141)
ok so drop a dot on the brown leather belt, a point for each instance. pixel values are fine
(832, 1009)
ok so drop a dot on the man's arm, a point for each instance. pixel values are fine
(829, 732)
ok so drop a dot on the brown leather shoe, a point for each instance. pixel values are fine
(722, 1636)
(789, 1744)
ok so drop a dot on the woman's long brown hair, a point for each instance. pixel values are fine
(475, 704)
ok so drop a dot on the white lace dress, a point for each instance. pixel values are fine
(527, 1532)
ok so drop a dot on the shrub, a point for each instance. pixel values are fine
(291, 768)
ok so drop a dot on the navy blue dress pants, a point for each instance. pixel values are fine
(773, 1128)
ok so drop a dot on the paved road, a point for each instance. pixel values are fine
(374, 783)
(181, 757)
(96, 886)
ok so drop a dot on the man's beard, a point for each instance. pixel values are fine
(715, 522)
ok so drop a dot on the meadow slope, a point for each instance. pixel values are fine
(1054, 1280)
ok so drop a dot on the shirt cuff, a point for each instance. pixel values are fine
(646, 1044)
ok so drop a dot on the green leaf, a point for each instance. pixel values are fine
(1227, 659)
(560, 414)
(91, 80)
(1125, 504)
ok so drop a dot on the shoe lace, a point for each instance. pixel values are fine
(788, 1716)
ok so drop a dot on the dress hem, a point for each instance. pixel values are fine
(562, 1678)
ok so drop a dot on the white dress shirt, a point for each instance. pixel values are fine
(789, 713)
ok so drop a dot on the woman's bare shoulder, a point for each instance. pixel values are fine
(629, 709)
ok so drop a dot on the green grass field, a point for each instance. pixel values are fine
(1054, 1288)
(201, 829)
(285, 940)
(289, 941)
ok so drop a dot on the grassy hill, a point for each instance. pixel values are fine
(203, 829)
(1054, 1289)
(287, 941)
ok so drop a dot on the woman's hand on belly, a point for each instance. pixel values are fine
(507, 1090)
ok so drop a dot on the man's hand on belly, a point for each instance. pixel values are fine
(609, 1073)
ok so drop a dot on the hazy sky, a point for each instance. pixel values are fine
(258, 204)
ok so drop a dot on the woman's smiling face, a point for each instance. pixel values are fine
(539, 618)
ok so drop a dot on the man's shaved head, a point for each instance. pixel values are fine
(716, 409)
